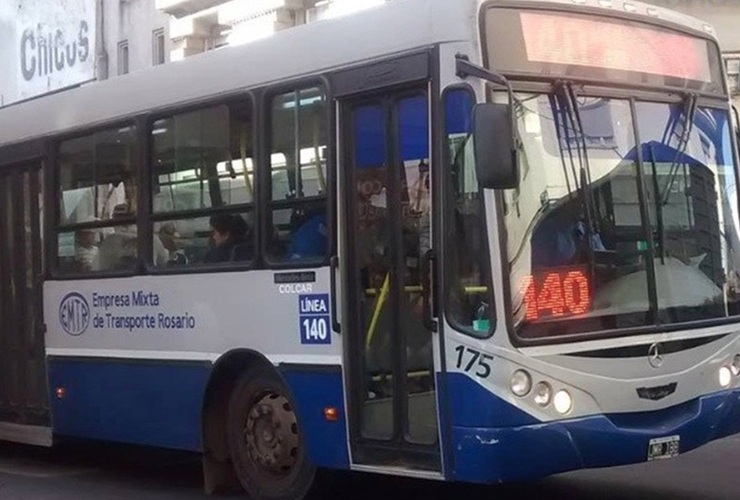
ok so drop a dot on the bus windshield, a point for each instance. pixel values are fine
(606, 233)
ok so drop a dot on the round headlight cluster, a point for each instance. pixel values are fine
(521, 383)
(725, 376)
(735, 366)
(563, 402)
(728, 371)
(543, 393)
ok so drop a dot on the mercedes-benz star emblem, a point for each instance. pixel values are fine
(654, 356)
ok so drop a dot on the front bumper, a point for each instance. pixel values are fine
(492, 455)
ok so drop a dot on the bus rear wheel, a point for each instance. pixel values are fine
(265, 444)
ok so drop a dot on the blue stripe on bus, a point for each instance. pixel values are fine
(474, 406)
(130, 401)
(159, 403)
(490, 454)
(313, 391)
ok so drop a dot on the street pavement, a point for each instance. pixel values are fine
(90, 471)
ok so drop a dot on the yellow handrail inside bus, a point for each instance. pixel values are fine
(410, 289)
(376, 311)
(380, 301)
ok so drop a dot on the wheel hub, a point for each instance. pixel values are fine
(271, 434)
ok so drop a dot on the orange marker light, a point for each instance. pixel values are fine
(331, 414)
(60, 392)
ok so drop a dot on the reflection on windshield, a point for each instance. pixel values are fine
(625, 235)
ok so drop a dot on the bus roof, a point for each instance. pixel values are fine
(396, 27)
(308, 49)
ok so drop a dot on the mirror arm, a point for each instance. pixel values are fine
(464, 68)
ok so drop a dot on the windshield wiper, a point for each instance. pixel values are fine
(565, 101)
(556, 106)
(658, 204)
(684, 137)
(662, 196)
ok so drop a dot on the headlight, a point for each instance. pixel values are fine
(563, 402)
(725, 376)
(542, 394)
(521, 383)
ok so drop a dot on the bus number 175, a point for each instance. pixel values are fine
(468, 358)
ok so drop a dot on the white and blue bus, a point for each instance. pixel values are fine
(475, 241)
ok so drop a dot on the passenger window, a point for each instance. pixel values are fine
(468, 307)
(298, 163)
(215, 239)
(203, 187)
(97, 202)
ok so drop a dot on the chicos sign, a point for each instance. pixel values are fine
(44, 54)
(47, 46)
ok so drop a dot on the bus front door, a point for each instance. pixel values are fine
(24, 409)
(386, 181)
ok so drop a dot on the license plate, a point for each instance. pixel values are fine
(662, 448)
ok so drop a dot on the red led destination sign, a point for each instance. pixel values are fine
(563, 39)
(556, 293)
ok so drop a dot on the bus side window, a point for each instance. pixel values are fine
(298, 163)
(97, 202)
(203, 186)
(467, 288)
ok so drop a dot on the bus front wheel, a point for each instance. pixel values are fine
(265, 444)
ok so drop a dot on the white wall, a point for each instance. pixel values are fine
(44, 46)
(8, 54)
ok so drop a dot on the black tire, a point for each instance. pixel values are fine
(268, 469)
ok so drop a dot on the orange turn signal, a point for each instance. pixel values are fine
(331, 414)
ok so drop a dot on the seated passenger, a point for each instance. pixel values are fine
(310, 239)
(119, 250)
(166, 249)
(86, 248)
(229, 238)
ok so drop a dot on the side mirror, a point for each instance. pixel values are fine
(495, 147)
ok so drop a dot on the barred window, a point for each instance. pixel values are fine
(203, 186)
(97, 202)
(298, 182)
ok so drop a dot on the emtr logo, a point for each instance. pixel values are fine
(74, 314)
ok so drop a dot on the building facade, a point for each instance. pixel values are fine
(134, 34)
(200, 25)
(49, 46)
